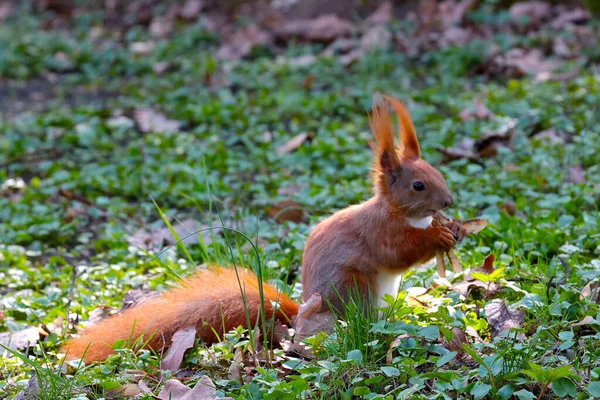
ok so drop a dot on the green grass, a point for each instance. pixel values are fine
(222, 170)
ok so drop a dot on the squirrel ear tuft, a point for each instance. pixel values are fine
(383, 131)
(388, 163)
(408, 137)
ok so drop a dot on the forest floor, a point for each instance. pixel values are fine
(249, 120)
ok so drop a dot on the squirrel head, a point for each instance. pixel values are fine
(410, 184)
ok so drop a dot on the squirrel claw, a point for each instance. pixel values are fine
(446, 238)
(459, 231)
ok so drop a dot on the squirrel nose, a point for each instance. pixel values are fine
(448, 202)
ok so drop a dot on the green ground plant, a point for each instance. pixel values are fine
(92, 177)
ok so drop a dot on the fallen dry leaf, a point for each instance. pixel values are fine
(487, 145)
(20, 339)
(325, 28)
(190, 9)
(468, 283)
(452, 154)
(520, 62)
(157, 238)
(395, 343)
(287, 210)
(458, 340)
(551, 136)
(135, 297)
(587, 320)
(32, 391)
(124, 391)
(502, 318)
(591, 290)
(150, 120)
(234, 373)
(382, 15)
(568, 17)
(6, 9)
(477, 111)
(310, 320)
(182, 340)
(240, 43)
(204, 390)
(576, 175)
(292, 144)
(377, 37)
(472, 226)
(532, 13)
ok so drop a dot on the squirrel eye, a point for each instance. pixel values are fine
(418, 186)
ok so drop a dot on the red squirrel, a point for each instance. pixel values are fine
(365, 246)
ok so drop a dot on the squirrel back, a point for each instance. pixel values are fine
(210, 300)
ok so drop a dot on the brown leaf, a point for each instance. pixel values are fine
(135, 297)
(576, 175)
(287, 210)
(6, 9)
(141, 48)
(527, 62)
(551, 135)
(377, 37)
(234, 372)
(534, 11)
(20, 339)
(182, 340)
(350, 58)
(440, 264)
(561, 48)
(126, 390)
(467, 285)
(190, 9)
(98, 314)
(458, 340)
(487, 145)
(160, 67)
(292, 144)
(454, 262)
(157, 238)
(173, 390)
(300, 61)
(240, 43)
(161, 26)
(325, 28)
(567, 17)
(204, 390)
(478, 111)
(451, 154)
(591, 290)
(32, 391)
(587, 320)
(150, 120)
(382, 15)
(395, 343)
(508, 207)
(502, 318)
(310, 320)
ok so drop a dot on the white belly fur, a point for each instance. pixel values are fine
(388, 282)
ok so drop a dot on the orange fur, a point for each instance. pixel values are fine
(207, 300)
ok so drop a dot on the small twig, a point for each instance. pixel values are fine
(567, 268)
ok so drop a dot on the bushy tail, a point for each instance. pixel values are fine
(210, 300)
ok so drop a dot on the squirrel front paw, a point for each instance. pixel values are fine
(459, 231)
(445, 237)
